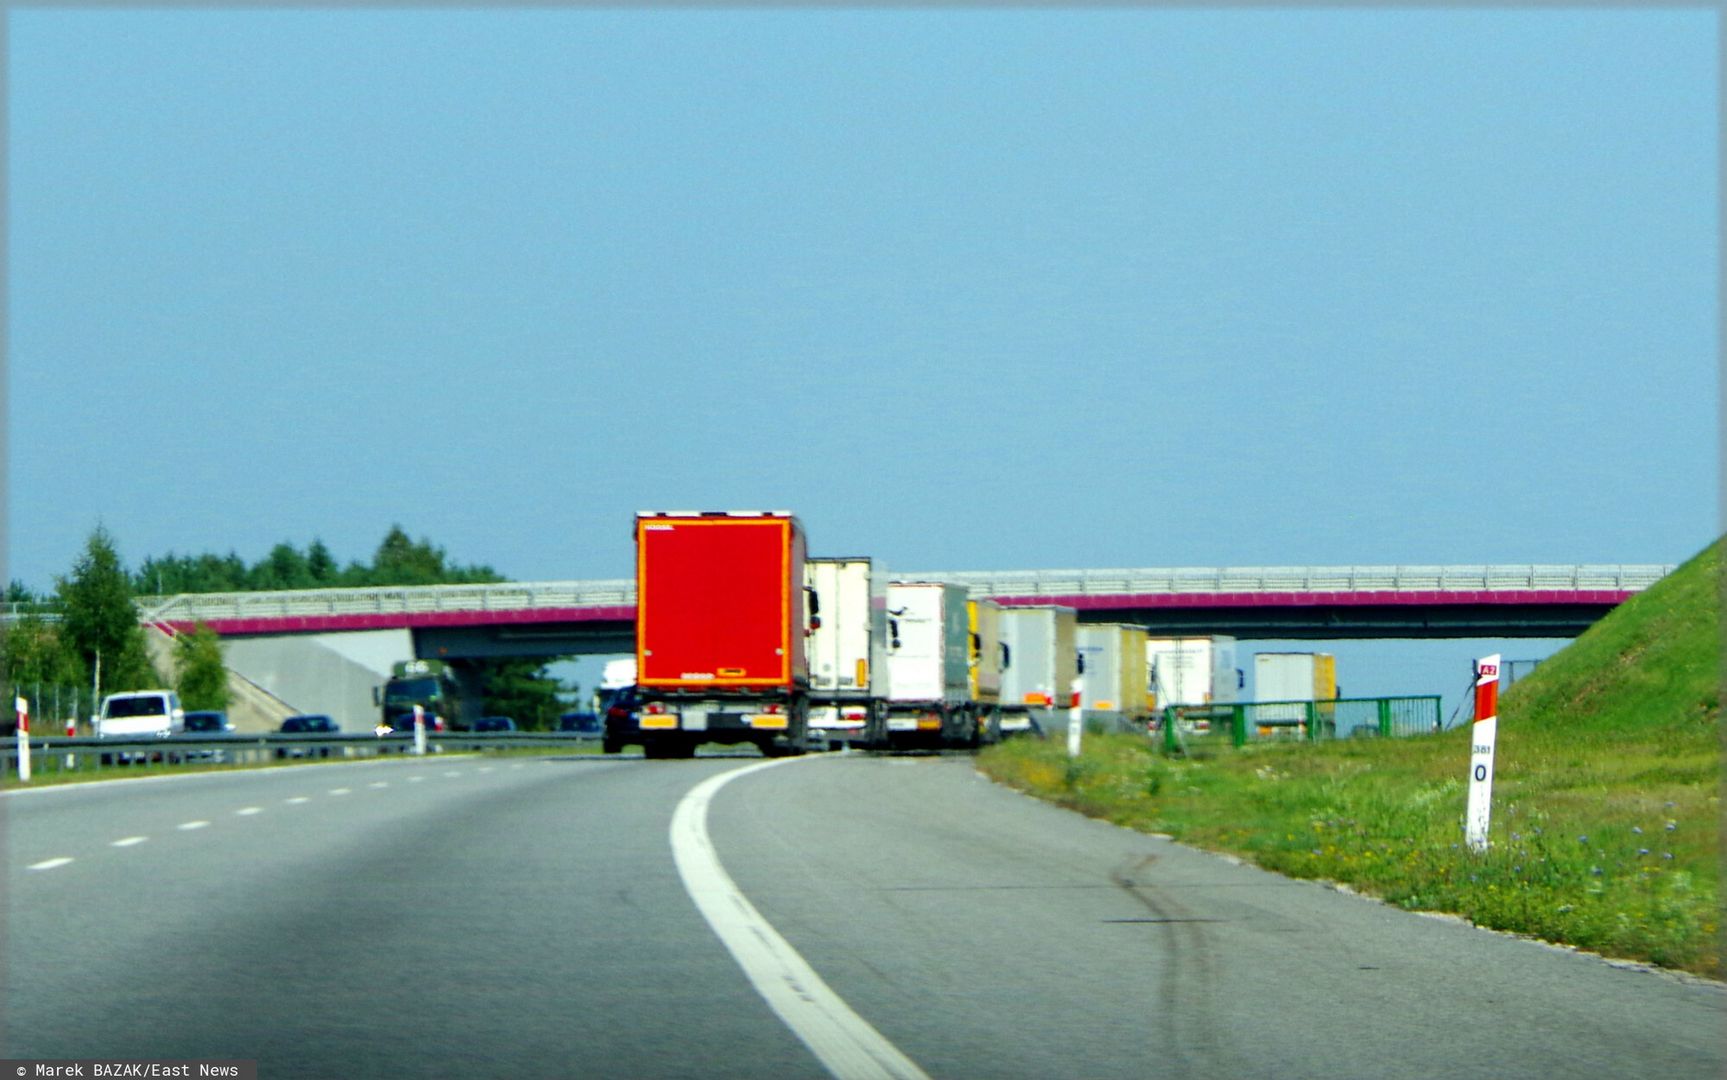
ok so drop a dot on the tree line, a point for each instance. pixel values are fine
(95, 646)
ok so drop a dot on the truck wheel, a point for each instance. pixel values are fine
(609, 745)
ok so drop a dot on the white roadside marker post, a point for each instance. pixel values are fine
(419, 729)
(71, 732)
(1075, 718)
(23, 708)
(1485, 732)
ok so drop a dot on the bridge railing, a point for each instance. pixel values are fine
(503, 596)
(1174, 581)
(1303, 579)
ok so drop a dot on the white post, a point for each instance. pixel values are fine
(71, 731)
(1075, 717)
(1485, 733)
(23, 708)
(419, 729)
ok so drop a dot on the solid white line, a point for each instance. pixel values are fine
(190, 825)
(49, 864)
(248, 811)
(846, 1044)
(129, 841)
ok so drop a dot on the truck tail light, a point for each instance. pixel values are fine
(654, 708)
(772, 709)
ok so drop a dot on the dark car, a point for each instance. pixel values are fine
(310, 725)
(585, 724)
(620, 708)
(204, 724)
(494, 723)
(208, 722)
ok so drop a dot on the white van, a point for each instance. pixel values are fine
(140, 714)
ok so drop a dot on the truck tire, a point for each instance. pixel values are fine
(609, 745)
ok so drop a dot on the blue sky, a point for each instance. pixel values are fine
(966, 289)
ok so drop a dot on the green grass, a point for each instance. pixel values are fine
(1606, 809)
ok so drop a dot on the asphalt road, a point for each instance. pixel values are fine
(468, 917)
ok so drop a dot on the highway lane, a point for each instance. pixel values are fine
(463, 916)
(455, 921)
(988, 935)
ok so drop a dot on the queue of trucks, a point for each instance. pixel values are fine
(743, 638)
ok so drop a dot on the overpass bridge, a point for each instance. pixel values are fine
(564, 618)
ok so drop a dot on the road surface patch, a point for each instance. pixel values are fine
(847, 1045)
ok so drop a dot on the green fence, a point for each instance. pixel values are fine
(1298, 721)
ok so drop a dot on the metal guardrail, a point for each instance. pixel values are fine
(621, 592)
(52, 754)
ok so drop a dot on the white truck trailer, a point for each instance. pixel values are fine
(1192, 671)
(929, 674)
(1112, 679)
(847, 651)
(1288, 680)
(1037, 687)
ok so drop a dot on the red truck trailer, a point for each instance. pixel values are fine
(720, 625)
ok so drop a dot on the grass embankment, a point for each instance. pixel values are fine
(1606, 802)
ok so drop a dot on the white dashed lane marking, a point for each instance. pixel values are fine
(380, 783)
(129, 841)
(49, 864)
(340, 790)
(452, 773)
(248, 811)
(297, 800)
(190, 825)
(415, 779)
